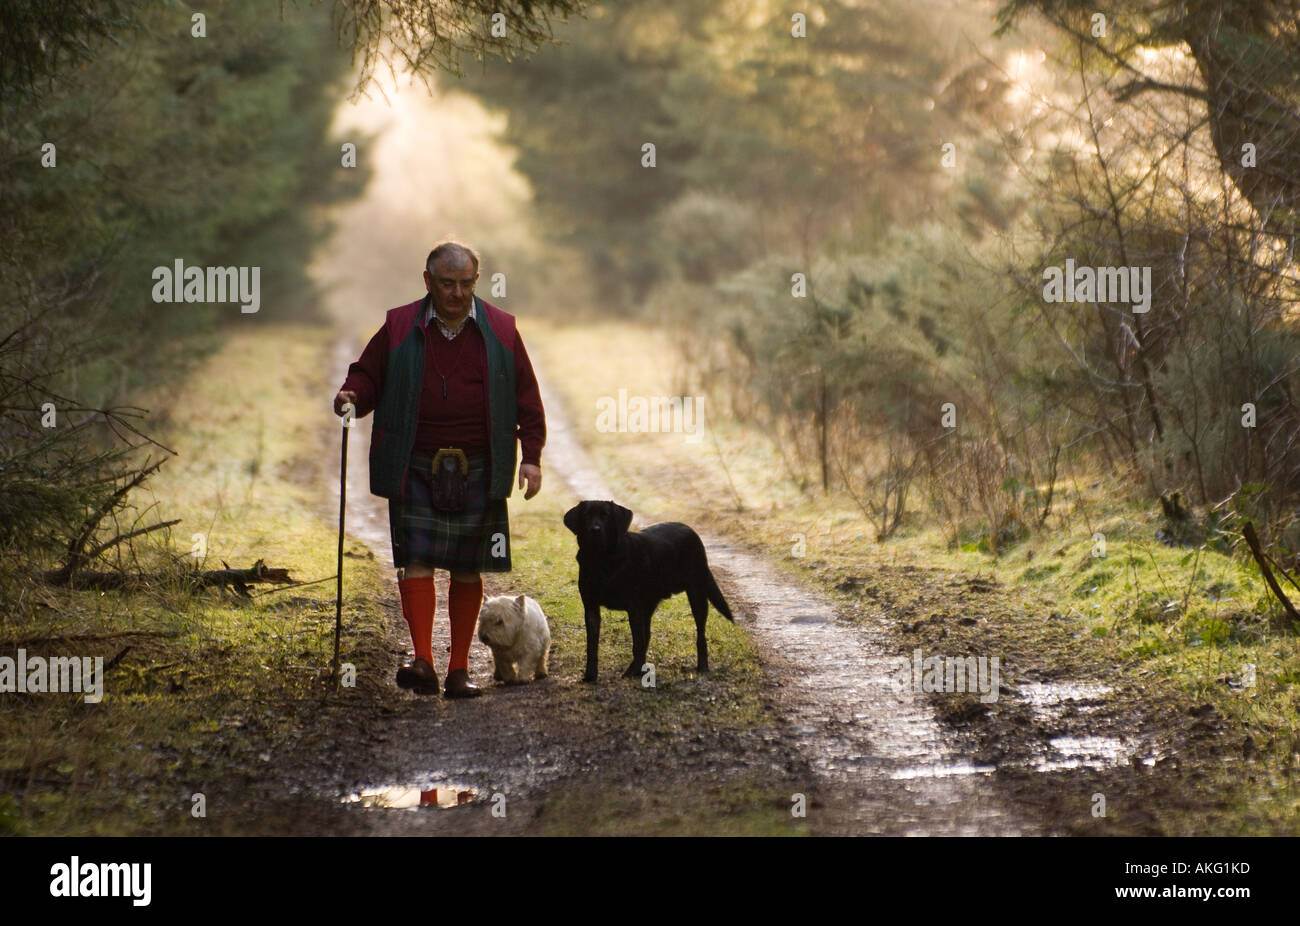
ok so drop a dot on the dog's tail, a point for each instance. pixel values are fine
(715, 597)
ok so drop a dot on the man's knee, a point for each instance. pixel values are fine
(467, 577)
(414, 572)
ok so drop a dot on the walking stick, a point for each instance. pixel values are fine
(343, 498)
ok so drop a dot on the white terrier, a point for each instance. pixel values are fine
(516, 631)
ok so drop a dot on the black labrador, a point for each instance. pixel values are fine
(633, 571)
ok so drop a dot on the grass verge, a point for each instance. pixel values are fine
(1189, 623)
(203, 687)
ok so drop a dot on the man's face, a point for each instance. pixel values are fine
(451, 285)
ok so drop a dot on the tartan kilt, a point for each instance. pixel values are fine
(460, 540)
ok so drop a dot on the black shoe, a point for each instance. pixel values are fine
(418, 677)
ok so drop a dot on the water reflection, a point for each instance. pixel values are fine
(401, 797)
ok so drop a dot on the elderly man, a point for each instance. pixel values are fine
(452, 389)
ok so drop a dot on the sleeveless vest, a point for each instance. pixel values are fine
(396, 413)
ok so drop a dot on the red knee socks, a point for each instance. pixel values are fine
(463, 602)
(464, 599)
(418, 602)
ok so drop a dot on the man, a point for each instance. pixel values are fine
(452, 388)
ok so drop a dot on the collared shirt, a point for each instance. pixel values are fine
(447, 331)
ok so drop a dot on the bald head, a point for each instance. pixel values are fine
(453, 255)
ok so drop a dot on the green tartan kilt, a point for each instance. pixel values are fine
(474, 540)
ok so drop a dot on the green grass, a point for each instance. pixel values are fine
(213, 678)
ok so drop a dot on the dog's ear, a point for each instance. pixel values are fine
(573, 517)
(519, 604)
(622, 518)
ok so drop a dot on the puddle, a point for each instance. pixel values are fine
(1052, 701)
(941, 771)
(1043, 697)
(1084, 752)
(402, 797)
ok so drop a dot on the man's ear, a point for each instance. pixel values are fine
(573, 517)
(622, 518)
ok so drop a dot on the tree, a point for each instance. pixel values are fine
(40, 40)
(1247, 55)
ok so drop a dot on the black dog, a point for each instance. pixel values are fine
(634, 571)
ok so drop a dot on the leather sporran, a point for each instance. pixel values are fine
(449, 480)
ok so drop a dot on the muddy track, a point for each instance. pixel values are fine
(871, 757)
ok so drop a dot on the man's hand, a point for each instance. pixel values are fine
(533, 474)
(343, 398)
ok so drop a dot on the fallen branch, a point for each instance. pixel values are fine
(87, 637)
(1248, 531)
(238, 580)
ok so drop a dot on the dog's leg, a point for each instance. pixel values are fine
(543, 662)
(639, 621)
(592, 620)
(508, 673)
(699, 600)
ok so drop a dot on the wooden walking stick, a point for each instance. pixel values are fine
(343, 499)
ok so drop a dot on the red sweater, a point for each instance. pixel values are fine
(459, 420)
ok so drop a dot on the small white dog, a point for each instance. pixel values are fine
(516, 631)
